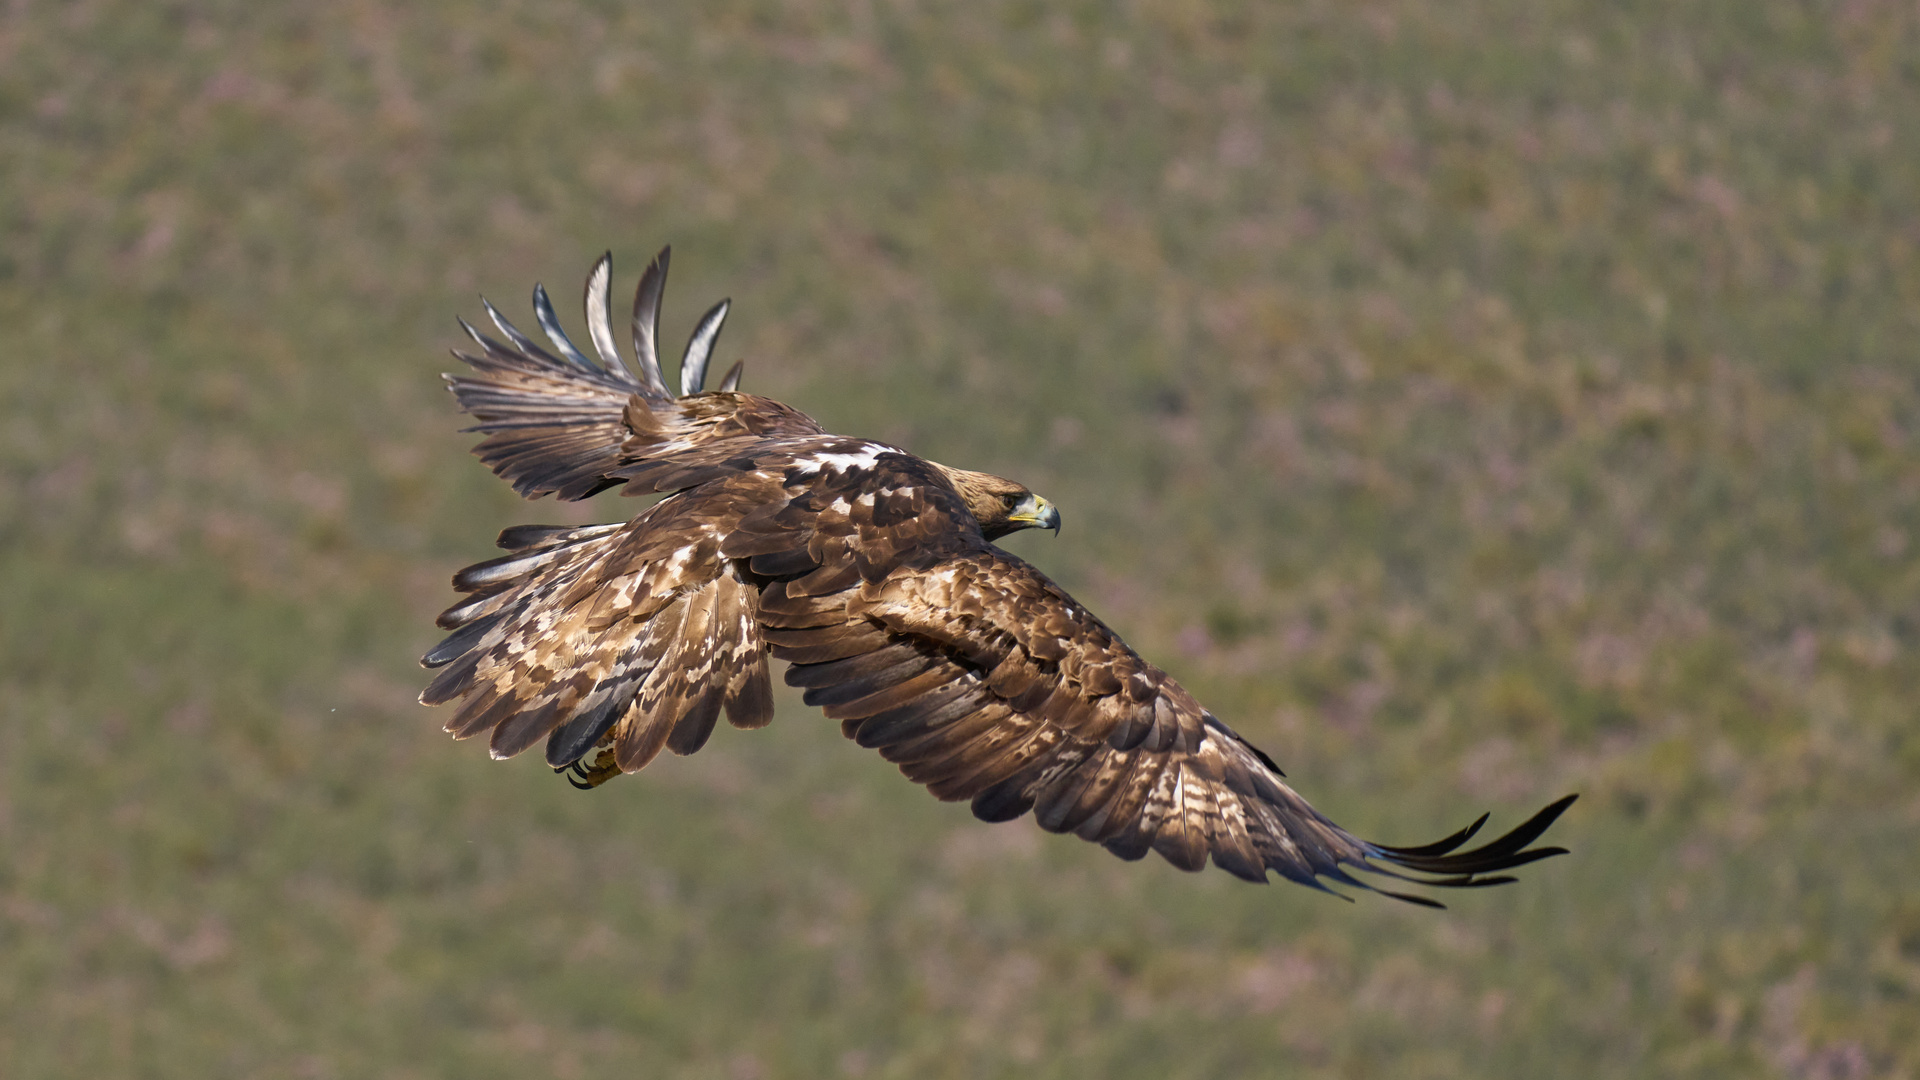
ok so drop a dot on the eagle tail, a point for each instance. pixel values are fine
(555, 420)
(536, 653)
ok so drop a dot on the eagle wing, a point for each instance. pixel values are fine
(558, 423)
(986, 682)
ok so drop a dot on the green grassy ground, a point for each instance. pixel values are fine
(1471, 402)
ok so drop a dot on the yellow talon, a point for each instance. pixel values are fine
(603, 769)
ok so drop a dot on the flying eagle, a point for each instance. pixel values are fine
(872, 573)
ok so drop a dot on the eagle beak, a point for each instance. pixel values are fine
(1034, 512)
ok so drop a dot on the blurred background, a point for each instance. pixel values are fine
(1471, 402)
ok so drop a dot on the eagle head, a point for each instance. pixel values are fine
(1002, 506)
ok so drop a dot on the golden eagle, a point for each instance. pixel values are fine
(873, 574)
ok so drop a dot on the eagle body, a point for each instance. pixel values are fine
(872, 574)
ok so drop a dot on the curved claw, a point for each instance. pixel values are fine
(586, 777)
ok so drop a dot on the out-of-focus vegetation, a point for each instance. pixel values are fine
(1471, 402)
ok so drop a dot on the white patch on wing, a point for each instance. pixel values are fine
(863, 457)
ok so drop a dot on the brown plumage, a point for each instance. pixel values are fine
(871, 573)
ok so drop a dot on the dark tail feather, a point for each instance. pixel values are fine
(577, 736)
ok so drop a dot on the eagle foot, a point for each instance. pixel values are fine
(586, 777)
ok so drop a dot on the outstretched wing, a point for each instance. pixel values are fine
(569, 426)
(986, 682)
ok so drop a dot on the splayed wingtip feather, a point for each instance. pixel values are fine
(520, 341)
(693, 367)
(599, 304)
(550, 325)
(646, 321)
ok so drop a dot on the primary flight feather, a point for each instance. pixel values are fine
(873, 574)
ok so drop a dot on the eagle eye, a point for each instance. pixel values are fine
(1011, 501)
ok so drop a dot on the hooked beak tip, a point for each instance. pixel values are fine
(1049, 518)
(1037, 513)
